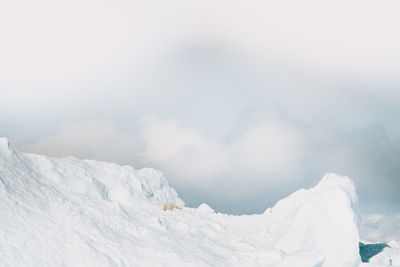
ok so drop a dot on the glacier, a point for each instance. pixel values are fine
(73, 212)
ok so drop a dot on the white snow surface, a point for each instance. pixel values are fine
(390, 256)
(71, 212)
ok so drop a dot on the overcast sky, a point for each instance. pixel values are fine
(238, 103)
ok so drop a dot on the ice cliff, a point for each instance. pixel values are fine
(71, 212)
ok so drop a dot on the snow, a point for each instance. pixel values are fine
(71, 212)
(390, 256)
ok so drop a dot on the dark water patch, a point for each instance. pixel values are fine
(367, 251)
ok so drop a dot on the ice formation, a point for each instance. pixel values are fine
(71, 212)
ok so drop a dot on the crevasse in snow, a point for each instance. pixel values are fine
(71, 212)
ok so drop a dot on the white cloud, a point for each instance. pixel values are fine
(187, 153)
(267, 149)
(380, 228)
(271, 148)
(88, 139)
(166, 138)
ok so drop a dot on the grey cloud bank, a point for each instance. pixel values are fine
(261, 98)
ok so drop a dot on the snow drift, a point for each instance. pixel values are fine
(71, 212)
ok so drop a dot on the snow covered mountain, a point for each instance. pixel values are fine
(71, 212)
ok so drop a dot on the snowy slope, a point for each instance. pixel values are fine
(71, 212)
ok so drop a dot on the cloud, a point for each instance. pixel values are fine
(188, 156)
(186, 152)
(271, 148)
(268, 149)
(380, 228)
(367, 155)
(88, 139)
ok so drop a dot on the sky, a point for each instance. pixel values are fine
(238, 104)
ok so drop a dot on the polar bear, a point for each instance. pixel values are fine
(170, 206)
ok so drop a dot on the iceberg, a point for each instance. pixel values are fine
(73, 212)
